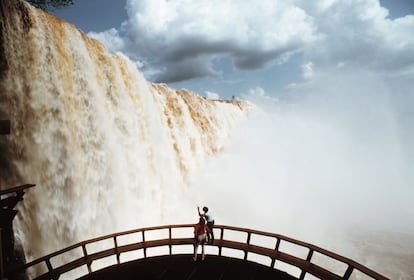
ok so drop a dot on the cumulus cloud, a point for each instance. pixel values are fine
(258, 93)
(181, 40)
(307, 70)
(212, 95)
(359, 34)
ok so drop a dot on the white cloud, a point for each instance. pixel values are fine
(188, 35)
(180, 40)
(110, 38)
(307, 70)
(259, 97)
(358, 34)
(212, 95)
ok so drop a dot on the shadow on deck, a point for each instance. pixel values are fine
(182, 267)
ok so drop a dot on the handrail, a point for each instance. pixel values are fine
(305, 265)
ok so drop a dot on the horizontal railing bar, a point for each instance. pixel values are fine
(120, 249)
(304, 264)
(281, 256)
(94, 240)
(290, 240)
(63, 269)
(315, 248)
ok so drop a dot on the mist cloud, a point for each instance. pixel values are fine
(328, 162)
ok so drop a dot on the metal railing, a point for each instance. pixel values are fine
(276, 251)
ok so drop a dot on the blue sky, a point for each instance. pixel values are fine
(226, 48)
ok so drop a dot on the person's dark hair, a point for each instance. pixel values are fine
(205, 208)
(201, 221)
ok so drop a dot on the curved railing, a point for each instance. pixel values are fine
(277, 251)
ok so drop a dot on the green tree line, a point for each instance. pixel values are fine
(48, 5)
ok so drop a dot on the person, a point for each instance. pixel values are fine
(200, 235)
(210, 222)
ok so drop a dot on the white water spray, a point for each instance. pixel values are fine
(327, 163)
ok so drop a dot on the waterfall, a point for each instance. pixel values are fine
(107, 150)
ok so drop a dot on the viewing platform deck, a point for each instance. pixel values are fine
(165, 252)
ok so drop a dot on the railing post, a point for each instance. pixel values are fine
(88, 262)
(348, 272)
(170, 237)
(116, 250)
(248, 243)
(277, 244)
(49, 265)
(308, 259)
(143, 241)
(52, 273)
(221, 239)
(272, 264)
(276, 249)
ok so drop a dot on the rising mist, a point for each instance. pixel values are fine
(329, 162)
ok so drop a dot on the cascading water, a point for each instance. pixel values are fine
(108, 150)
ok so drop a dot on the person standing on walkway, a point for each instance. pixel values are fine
(210, 222)
(200, 235)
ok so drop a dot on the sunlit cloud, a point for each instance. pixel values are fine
(212, 95)
(179, 40)
(182, 36)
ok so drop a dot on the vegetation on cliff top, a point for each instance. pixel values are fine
(48, 5)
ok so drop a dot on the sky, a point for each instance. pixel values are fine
(230, 48)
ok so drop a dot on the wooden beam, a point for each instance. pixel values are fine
(16, 189)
